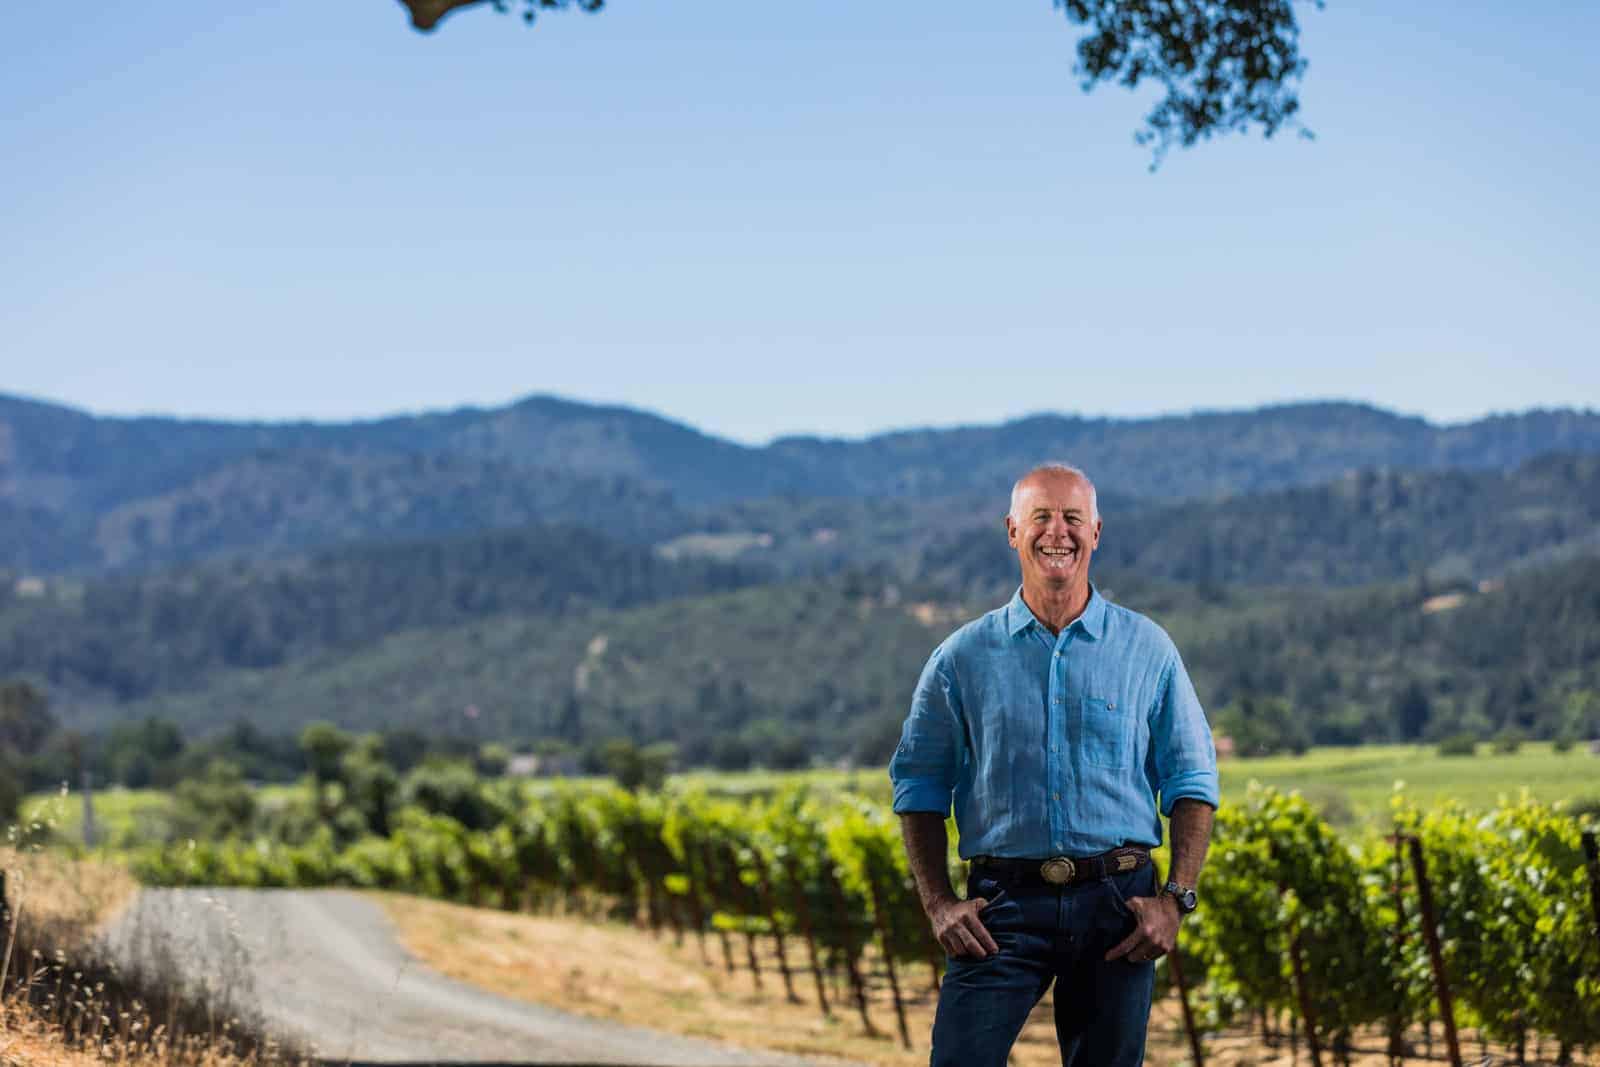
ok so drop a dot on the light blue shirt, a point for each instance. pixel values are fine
(1054, 745)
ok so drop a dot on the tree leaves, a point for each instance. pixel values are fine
(1226, 66)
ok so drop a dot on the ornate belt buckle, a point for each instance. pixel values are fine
(1057, 870)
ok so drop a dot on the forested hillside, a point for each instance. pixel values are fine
(116, 639)
(1222, 572)
(276, 503)
(1411, 660)
(1368, 526)
(1172, 457)
(85, 494)
(822, 669)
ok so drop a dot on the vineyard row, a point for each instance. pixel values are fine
(1297, 920)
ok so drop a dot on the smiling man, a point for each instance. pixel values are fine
(1058, 725)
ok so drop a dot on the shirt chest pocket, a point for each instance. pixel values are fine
(1105, 732)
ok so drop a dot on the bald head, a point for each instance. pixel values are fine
(1051, 471)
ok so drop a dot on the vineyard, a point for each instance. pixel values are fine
(1454, 922)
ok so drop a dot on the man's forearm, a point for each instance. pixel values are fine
(1191, 835)
(928, 849)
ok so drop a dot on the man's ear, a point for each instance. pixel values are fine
(1011, 533)
(1098, 524)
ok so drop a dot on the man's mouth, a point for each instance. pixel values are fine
(1058, 557)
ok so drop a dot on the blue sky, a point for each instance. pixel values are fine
(766, 219)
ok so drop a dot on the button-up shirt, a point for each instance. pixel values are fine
(1054, 744)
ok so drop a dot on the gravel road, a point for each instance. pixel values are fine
(323, 971)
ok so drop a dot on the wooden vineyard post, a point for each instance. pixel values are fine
(802, 910)
(1303, 995)
(711, 881)
(8, 936)
(669, 908)
(597, 881)
(1397, 1037)
(1301, 992)
(767, 904)
(1591, 855)
(856, 984)
(652, 906)
(675, 915)
(880, 919)
(1430, 932)
(696, 911)
(731, 880)
(1183, 999)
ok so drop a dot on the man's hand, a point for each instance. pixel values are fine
(958, 929)
(956, 925)
(1156, 933)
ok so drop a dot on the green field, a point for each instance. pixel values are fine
(118, 813)
(122, 817)
(1351, 786)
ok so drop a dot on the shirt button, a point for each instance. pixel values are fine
(1112, 704)
(1055, 796)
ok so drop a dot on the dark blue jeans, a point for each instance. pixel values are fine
(1045, 934)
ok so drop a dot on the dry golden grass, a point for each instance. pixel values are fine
(25, 1041)
(53, 1013)
(65, 896)
(28, 1036)
(615, 971)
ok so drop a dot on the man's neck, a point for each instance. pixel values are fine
(1055, 607)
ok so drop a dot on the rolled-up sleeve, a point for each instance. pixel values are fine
(1185, 761)
(924, 766)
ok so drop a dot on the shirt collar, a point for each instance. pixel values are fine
(1092, 622)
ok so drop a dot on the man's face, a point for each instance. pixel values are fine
(1054, 530)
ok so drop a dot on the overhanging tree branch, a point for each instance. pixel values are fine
(1227, 65)
(425, 14)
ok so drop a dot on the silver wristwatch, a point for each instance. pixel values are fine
(1184, 896)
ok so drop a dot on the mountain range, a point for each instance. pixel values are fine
(88, 494)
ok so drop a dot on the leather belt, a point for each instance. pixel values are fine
(1063, 870)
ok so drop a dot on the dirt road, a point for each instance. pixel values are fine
(322, 970)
